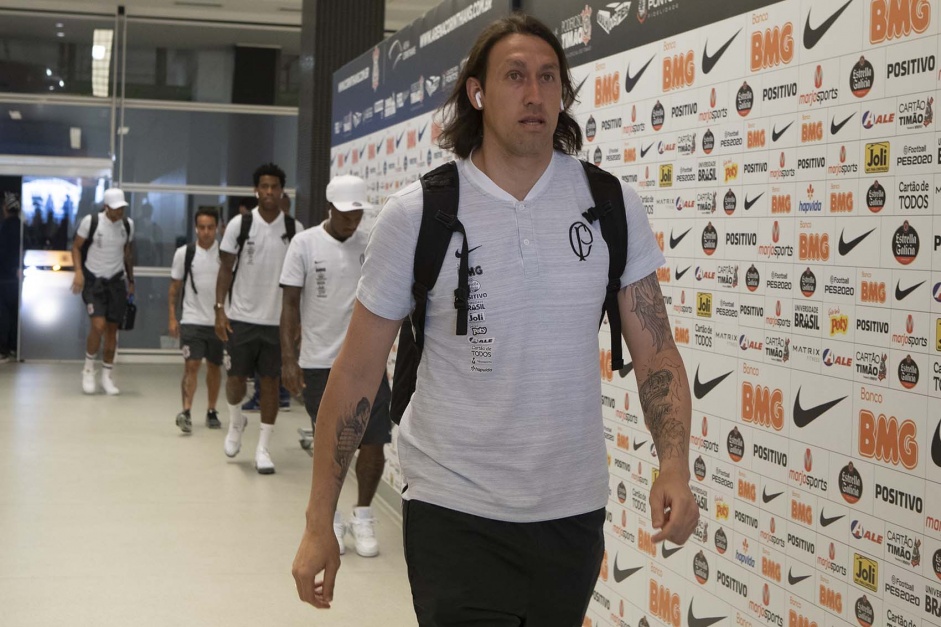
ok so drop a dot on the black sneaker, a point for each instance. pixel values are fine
(184, 422)
(212, 419)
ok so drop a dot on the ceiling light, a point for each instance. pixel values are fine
(59, 24)
(60, 34)
(48, 72)
(98, 52)
(15, 115)
(61, 83)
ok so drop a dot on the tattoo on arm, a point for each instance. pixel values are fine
(648, 306)
(350, 429)
(660, 402)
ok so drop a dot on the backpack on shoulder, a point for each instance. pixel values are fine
(440, 196)
(290, 230)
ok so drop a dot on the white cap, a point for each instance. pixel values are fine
(114, 198)
(348, 193)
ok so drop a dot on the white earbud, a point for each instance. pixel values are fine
(562, 105)
(256, 195)
(480, 105)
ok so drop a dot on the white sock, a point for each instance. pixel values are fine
(89, 362)
(265, 436)
(107, 370)
(235, 414)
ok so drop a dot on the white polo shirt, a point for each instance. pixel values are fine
(256, 296)
(506, 422)
(328, 272)
(106, 254)
(198, 308)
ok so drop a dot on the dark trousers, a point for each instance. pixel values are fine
(9, 314)
(471, 571)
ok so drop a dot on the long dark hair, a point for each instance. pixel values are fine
(463, 125)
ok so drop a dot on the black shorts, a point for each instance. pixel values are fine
(379, 428)
(468, 570)
(253, 348)
(105, 297)
(199, 341)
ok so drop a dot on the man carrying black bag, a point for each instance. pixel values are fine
(102, 254)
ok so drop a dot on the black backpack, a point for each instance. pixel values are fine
(290, 229)
(92, 228)
(188, 269)
(439, 221)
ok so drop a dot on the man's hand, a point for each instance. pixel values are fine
(223, 328)
(318, 552)
(671, 492)
(130, 288)
(292, 378)
(78, 283)
(174, 328)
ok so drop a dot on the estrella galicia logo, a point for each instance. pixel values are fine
(581, 239)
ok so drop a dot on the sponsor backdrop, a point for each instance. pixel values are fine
(787, 154)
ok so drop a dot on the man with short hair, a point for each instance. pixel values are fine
(194, 272)
(103, 255)
(248, 308)
(501, 446)
(321, 271)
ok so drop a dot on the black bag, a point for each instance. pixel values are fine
(130, 315)
(439, 221)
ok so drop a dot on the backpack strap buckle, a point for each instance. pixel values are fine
(447, 219)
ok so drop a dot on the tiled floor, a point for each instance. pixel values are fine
(109, 516)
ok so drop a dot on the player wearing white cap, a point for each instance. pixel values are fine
(102, 254)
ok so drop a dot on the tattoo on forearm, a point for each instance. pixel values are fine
(661, 404)
(648, 306)
(350, 429)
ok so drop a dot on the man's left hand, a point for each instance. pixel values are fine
(130, 288)
(673, 509)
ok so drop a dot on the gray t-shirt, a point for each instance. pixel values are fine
(506, 422)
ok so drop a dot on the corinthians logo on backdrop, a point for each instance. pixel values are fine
(576, 31)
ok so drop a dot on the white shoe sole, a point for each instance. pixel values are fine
(362, 553)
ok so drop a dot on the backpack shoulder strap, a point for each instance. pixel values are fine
(92, 227)
(290, 227)
(188, 268)
(610, 213)
(127, 229)
(440, 199)
(244, 230)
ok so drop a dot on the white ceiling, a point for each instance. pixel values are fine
(399, 13)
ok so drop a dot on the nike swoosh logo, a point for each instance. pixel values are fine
(678, 274)
(630, 82)
(694, 621)
(668, 553)
(709, 62)
(776, 134)
(362, 151)
(826, 522)
(421, 133)
(901, 294)
(399, 139)
(846, 248)
(626, 370)
(580, 85)
(767, 498)
(644, 151)
(812, 36)
(936, 446)
(803, 417)
(676, 242)
(457, 253)
(791, 579)
(750, 202)
(638, 445)
(836, 128)
(700, 389)
(621, 575)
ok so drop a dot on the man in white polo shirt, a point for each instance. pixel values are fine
(319, 280)
(196, 330)
(103, 255)
(248, 307)
(504, 461)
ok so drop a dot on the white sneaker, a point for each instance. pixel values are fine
(339, 530)
(233, 439)
(363, 528)
(107, 384)
(263, 463)
(89, 382)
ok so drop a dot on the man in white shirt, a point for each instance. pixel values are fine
(102, 254)
(196, 329)
(321, 271)
(248, 308)
(502, 450)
